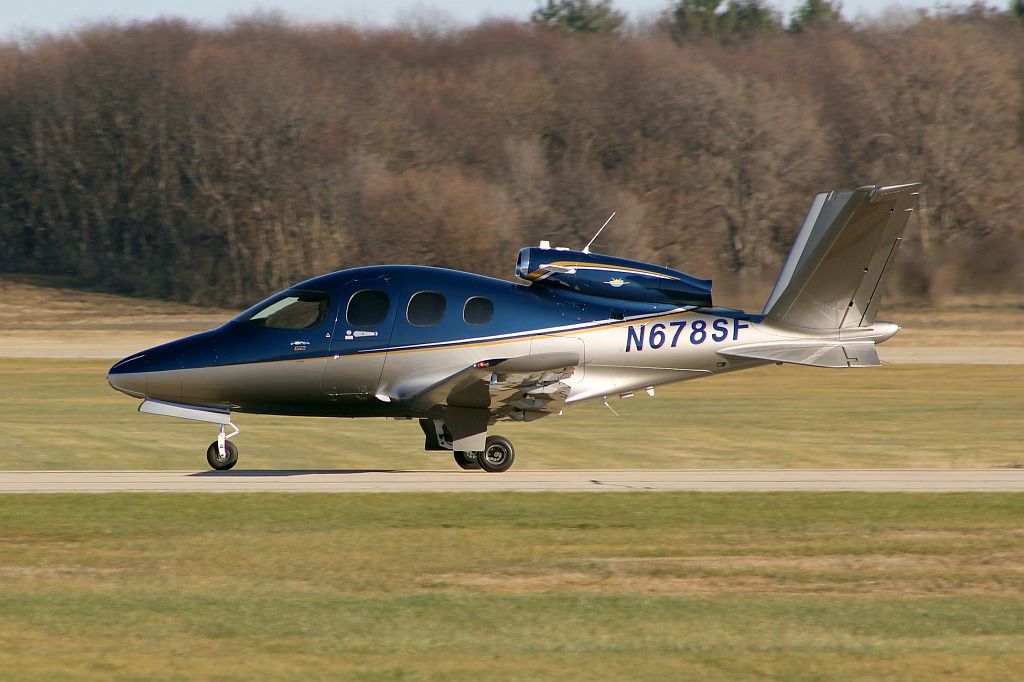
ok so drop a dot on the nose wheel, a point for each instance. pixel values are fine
(222, 453)
(222, 461)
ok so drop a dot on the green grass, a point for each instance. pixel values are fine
(58, 414)
(512, 586)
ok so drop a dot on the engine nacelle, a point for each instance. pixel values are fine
(610, 277)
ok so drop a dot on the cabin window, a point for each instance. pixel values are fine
(478, 310)
(296, 310)
(367, 308)
(426, 308)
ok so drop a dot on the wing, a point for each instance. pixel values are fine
(521, 389)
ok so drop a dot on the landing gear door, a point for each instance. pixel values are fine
(362, 331)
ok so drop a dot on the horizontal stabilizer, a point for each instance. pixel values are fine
(815, 355)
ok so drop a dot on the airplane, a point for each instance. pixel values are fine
(460, 351)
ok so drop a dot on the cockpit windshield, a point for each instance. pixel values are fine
(292, 310)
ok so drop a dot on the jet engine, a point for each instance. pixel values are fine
(610, 277)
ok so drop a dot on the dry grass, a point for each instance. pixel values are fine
(960, 323)
(49, 304)
(44, 317)
(894, 575)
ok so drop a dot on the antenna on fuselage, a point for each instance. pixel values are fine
(586, 249)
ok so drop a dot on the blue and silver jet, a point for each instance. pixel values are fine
(460, 351)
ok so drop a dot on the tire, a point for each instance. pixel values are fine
(498, 456)
(222, 463)
(466, 460)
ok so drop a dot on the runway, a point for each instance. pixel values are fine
(606, 480)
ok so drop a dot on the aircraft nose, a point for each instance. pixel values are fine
(129, 376)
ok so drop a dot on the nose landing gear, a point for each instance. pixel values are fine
(222, 453)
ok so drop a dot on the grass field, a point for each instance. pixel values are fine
(512, 587)
(57, 414)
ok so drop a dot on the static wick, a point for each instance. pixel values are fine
(586, 249)
(610, 407)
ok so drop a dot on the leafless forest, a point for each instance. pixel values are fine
(215, 165)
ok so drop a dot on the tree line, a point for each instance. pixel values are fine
(216, 165)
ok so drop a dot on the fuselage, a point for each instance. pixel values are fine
(460, 352)
(350, 343)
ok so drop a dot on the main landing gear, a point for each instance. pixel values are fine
(496, 457)
(222, 453)
(467, 460)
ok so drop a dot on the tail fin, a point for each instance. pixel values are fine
(833, 276)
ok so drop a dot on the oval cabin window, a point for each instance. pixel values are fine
(478, 310)
(426, 309)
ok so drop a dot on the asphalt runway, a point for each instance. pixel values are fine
(606, 480)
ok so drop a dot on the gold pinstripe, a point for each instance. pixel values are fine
(600, 266)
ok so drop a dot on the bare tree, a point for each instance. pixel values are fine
(217, 165)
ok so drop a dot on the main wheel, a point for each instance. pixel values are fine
(467, 460)
(497, 456)
(225, 461)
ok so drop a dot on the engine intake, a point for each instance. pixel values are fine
(610, 277)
